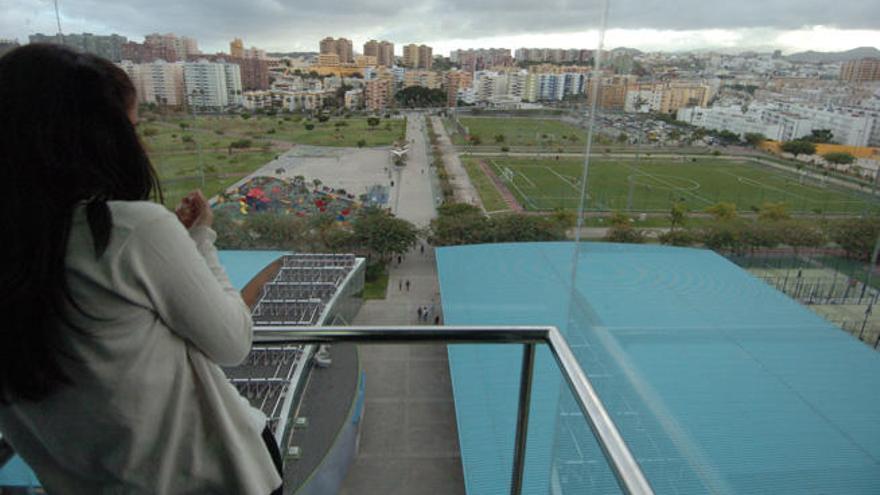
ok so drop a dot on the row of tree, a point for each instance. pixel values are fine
(772, 228)
(461, 223)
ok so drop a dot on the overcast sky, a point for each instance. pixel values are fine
(287, 25)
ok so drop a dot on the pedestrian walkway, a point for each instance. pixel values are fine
(465, 192)
(409, 438)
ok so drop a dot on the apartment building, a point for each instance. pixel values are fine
(473, 60)
(553, 55)
(378, 94)
(212, 85)
(382, 50)
(785, 122)
(457, 81)
(424, 78)
(862, 70)
(236, 48)
(665, 97)
(341, 47)
(418, 56)
(109, 47)
(157, 82)
(182, 46)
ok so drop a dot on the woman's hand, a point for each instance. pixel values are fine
(194, 210)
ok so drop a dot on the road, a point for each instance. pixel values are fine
(409, 439)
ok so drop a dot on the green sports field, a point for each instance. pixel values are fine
(522, 131)
(652, 185)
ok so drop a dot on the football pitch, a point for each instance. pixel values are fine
(652, 185)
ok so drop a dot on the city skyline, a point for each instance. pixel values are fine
(691, 26)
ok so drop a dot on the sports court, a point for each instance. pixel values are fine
(542, 183)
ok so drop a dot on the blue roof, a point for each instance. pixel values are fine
(242, 266)
(718, 382)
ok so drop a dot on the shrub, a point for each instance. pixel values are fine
(150, 131)
(361, 143)
(309, 126)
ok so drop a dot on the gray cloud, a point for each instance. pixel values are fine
(298, 25)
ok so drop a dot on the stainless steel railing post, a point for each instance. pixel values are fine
(522, 418)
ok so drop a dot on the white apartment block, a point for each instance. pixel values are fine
(158, 82)
(285, 100)
(212, 85)
(785, 122)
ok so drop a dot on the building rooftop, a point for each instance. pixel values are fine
(718, 382)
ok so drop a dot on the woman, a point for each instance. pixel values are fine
(116, 312)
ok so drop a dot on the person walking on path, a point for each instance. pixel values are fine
(407, 285)
(437, 320)
(422, 248)
(400, 285)
(399, 260)
(419, 312)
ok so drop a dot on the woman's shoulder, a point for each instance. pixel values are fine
(132, 215)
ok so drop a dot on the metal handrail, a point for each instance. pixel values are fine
(624, 466)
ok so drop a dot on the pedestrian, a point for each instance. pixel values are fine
(399, 260)
(407, 285)
(425, 313)
(400, 285)
(437, 320)
(419, 311)
(422, 248)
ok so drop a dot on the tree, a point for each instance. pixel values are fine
(524, 228)
(622, 138)
(677, 215)
(677, 238)
(499, 138)
(418, 96)
(856, 236)
(839, 158)
(799, 234)
(754, 138)
(718, 236)
(625, 234)
(722, 211)
(373, 122)
(819, 136)
(773, 212)
(383, 234)
(309, 126)
(317, 183)
(799, 147)
(323, 117)
(728, 137)
(458, 223)
(361, 143)
(183, 126)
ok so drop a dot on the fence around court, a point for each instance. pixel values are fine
(840, 281)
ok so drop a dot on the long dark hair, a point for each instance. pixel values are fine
(65, 138)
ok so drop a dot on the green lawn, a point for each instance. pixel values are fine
(177, 161)
(489, 195)
(376, 289)
(522, 131)
(545, 184)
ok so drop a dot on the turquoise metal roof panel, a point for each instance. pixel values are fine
(718, 382)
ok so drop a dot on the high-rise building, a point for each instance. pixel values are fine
(378, 94)
(109, 47)
(863, 70)
(371, 48)
(411, 55)
(382, 50)
(481, 59)
(424, 78)
(236, 48)
(182, 46)
(157, 82)
(386, 54)
(426, 57)
(341, 47)
(418, 56)
(456, 80)
(214, 85)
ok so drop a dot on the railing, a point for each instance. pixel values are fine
(625, 468)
